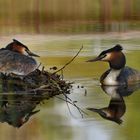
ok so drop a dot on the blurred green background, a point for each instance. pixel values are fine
(55, 30)
(68, 16)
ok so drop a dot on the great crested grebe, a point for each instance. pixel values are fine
(13, 59)
(118, 74)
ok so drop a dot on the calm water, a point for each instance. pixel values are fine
(54, 121)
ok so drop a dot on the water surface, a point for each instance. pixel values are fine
(54, 121)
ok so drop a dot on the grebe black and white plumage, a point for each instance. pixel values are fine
(14, 60)
(118, 74)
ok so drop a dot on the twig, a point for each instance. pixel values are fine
(43, 69)
(38, 66)
(79, 109)
(67, 99)
(62, 74)
(69, 61)
(72, 103)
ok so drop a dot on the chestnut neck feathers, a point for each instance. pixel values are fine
(115, 57)
(117, 60)
(16, 46)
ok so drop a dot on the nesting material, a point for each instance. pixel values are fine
(21, 94)
(37, 82)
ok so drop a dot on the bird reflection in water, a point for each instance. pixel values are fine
(16, 110)
(116, 108)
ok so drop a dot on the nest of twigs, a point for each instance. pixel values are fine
(29, 91)
(33, 89)
(37, 82)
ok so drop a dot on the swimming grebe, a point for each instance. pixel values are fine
(14, 60)
(118, 74)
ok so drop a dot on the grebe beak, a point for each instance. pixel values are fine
(95, 59)
(93, 109)
(31, 54)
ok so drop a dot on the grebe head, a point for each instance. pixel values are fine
(114, 56)
(17, 46)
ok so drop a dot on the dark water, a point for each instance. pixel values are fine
(52, 119)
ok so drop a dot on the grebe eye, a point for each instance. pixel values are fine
(103, 55)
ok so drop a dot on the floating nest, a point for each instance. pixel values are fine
(37, 82)
(21, 94)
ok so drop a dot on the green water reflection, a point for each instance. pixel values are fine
(54, 120)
